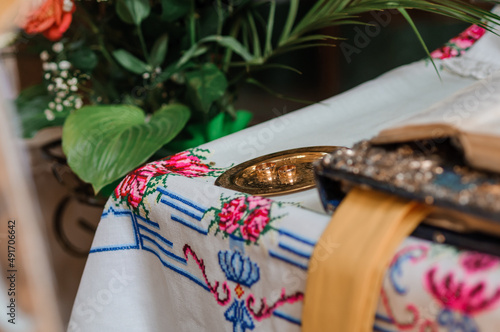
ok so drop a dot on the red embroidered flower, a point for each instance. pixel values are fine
(134, 184)
(445, 52)
(255, 224)
(259, 202)
(458, 45)
(475, 261)
(52, 19)
(458, 296)
(258, 219)
(231, 213)
(248, 216)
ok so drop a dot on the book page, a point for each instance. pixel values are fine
(474, 109)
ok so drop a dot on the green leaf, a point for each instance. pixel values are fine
(205, 86)
(191, 53)
(421, 40)
(196, 134)
(193, 137)
(174, 9)
(31, 104)
(159, 51)
(84, 59)
(103, 143)
(231, 43)
(133, 11)
(223, 124)
(130, 62)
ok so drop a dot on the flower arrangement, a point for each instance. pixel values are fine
(127, 77)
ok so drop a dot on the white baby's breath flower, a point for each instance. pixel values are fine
(78, 103)
(49, 115)
(58, 47)
(68, 5)
(64, 65)
(44, 56)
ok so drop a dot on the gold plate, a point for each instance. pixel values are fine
(244, 177)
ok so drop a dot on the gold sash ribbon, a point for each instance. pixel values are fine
(343, 287)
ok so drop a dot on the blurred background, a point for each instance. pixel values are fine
(363, 54)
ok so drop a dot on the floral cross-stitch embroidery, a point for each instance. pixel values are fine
(460, 44)
(246, 217)
(188, 164)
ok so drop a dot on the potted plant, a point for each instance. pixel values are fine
(130, 78)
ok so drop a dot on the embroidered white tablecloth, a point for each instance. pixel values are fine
(173, 252)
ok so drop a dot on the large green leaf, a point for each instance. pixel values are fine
(174, 9)
(31, 104)
(133, 11)
(130, 62)
(205, 86)
(103, 143)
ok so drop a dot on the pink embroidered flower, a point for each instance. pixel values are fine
(458, 45)
(245, 217)
(445, 52)
(458, 296)
(186, 164)
(475, 32)
(255, 224)
(475, 261)
(257, 201)
(231, 213)
(134, 184)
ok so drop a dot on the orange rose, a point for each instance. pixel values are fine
(52, 19)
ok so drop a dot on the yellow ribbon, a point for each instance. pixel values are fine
(343, 287)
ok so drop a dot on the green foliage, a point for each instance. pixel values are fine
(133, 11)
(197, 53)
(84, 59)
(31, 104)
(205, 85)
(174, 9)
(221, 125)
(130, 62)
(159, 51)
(103, 143)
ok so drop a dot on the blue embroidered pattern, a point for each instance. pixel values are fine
(146, 235)
(188, 224)
(239, 268)
(288, 260)
(454, 321)
(149, 240)
(295, 251)
(396, 269)
(286, 317)
(238, 314)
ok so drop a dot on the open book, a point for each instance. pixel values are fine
(471, 117)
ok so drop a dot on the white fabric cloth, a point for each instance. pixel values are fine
(142, 274)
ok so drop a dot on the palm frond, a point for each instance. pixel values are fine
(296, 34)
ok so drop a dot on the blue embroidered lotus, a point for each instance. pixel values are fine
(239, 268)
